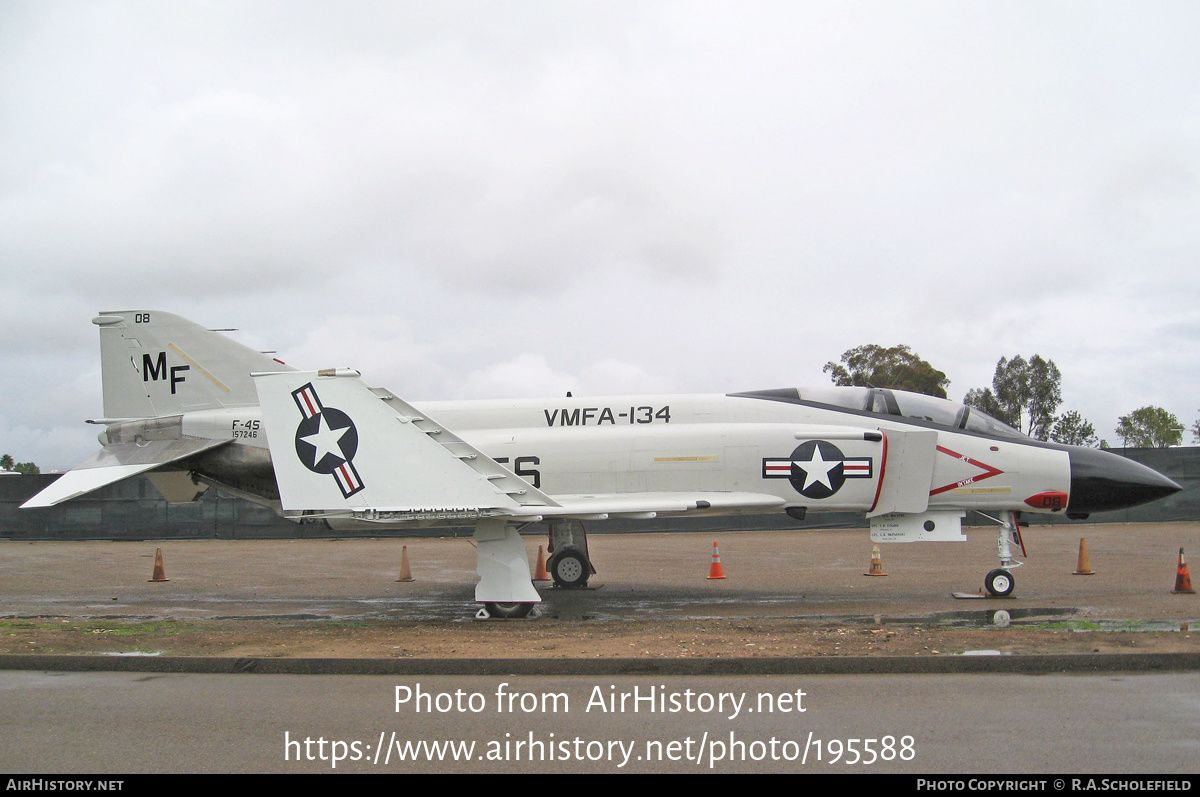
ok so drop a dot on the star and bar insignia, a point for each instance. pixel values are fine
(818, 469)
(327, 440)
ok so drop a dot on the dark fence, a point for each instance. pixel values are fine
(133, 510)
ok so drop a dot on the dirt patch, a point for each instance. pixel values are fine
(565, 639)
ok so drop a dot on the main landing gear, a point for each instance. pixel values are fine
(569, 565)
(569, 568)
(504, 588)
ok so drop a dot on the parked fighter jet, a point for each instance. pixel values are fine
(191, 408)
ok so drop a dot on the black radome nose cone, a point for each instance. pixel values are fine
(1103, 482)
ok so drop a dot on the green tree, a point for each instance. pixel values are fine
(1150, 427)
(898, 368)
(1024, 394)
(28, 468)
(1073, 430)
(1196, 432)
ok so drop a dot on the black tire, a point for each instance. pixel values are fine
(508, 611)
(569, 568)
(999, 583)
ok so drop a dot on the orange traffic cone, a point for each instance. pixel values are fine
(1084, 568)
(160, 573)
(716, 571)
(539, 573)
(876, 563)
(405, 570)
(1183, 579)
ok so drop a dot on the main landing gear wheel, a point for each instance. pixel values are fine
(569, 568)
(999, 583)
(508, 611)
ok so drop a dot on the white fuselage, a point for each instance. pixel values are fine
(816, 457)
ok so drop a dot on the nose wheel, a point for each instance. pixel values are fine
(999, 583)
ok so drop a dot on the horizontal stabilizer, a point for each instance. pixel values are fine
(113, 463)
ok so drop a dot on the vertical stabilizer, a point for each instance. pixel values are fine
(155, 363)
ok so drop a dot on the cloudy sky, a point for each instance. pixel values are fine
(485, 199)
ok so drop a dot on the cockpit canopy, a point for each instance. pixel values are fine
(883, 401)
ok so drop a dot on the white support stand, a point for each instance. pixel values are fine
(502, 564)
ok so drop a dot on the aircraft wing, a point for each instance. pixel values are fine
(339, 448)
(638, 506)
(116, 462)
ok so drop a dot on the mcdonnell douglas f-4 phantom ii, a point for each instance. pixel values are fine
(192, 408)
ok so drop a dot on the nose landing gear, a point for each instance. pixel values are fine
(1000, 583)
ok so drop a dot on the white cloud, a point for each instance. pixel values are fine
(529, 375)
